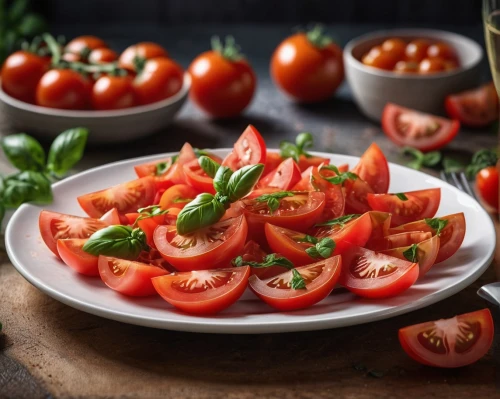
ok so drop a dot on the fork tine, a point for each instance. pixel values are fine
(468, 188)
(444, 176)
(457, 182)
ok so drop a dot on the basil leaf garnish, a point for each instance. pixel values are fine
(297, 282)
(221, 179)
(209, 166)
(202, 212)
(66, 150)
(118, 241)
(243, 180)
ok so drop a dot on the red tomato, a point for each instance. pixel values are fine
(82, 44)
(144, 50)
(396, 47)
(252, 252)
(416, 50)
(203, 292)
(284, 177)
(298, 212)
(406, 67)
(212, 247)
(427, 252)
(160, 78)
(249, 149)
(319, 277)
(431, 65)
(405, 239)
(55, 226)
(126, 197)
(450, 343)
(418, 205)
(21, 73)
(63, 89)
(378, 58)
(71, 253)
(128, 277)
(113, 92)
(102, 56)
(443, 51)
(451, 237)
(356, 192)
(476, 108)
(273, 159)
(177, 196)
(197, 178)
(112, 217)
(373, 169)
(426, 132)
(305, 71)
(381, 222)
(487, 184)
(374, 275)
(306, 162)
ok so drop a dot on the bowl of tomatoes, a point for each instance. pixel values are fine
(414, 68)
(50, 87)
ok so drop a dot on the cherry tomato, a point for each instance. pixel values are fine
(82, 44)
(177, 196)
(21, 73)
(319, 278)
(203, 292)
(284, 177)
(416, 50)
(450, 343)
(160, 78)
(212, 247)
(102, 56)
(249, 149)
(72, 57)
(396, 47)
(378, 58)
(113, 92)
(475, 108)
(417, 205)
(373, 169)
(431, 65)
(426, 132)
(374, 275)
(128, 277)
(63, 89)
(305, 70)
(72, 253)
(406, 67)
(443, 51)
(487, 185)
(144, 50)
(126, 197)
(55, 226)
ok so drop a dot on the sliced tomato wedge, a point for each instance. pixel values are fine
(149, 224)
(374, 275)
(373, 169)
(427, 252)
(426, 132)
(451, 237)
(273, 159)
(249, 149)
(55, 226)
(212, 247)
(203, 291)
(404, 239)
(72, 253)
(284, 177)
(381, 222)
(356, 193)
(417, 205)
(319, 278)
(450, 343)
(475, 108)
(126, 197)
(312, 160)
(128, 277)
(113, 217)
(197, 178)
(177, 196)
(252, 252)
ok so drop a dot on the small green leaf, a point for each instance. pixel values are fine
(322, 249)
(418, 156)
(269, 260)
(149, 212)
(480, 160)
(221, 179)
(341, 176)
(297, 282)
(202, 212)
(24, 152)
(431, 159)
(119, 241)
(401, 196)
(243, 181)
(452, 165)
(162, 168)
(437, 224)
(412, 253)
(66, 150)
(309, 239)
(25, 187)
(304, 141)
(289, 150)
(199, 152)
(341, 221)
(273, 199)
(209, 166)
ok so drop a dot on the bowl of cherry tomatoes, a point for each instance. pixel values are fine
(50, 87)
(414, 68)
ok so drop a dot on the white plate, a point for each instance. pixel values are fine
(40, 267)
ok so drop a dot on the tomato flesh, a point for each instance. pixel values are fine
(72, 253)
(249, 149)
(284, 177)
(374, 169)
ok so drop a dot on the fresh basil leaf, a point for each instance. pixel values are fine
(322, 249)
(431, 158)
(415, 164)
(202, 212)
(17, 193)
(289, 150)
(418, 156)
(209, 166)
(162, 168)
(24, 152)
(199, 152)
(66, 150)
(243, 181)
(452, 165)
(401, 196)
(149, 212)
(341, 176)
(309, 239)
(119, 241)
(297, 282)
(304, 141)
(411, 253)
(25, 187)
(269, 260)
(341, 221)
(437, 224)
(221, 179)
(273, 199)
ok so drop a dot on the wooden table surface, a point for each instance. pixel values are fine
(48, 349)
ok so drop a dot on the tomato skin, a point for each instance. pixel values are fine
(431, 65)
(378, 58)
(113, 92)
(443, 51)
(479, 322)
(113, 217)
(394, 46)
(21, 73)
(63, 89)
(178, 192)
(273, 159)
(381, 222)
(284, 177)
(145, 50)
(487, 184)
(305, 72)
(102, 56)
(81, 43)
(210, 301)
(197, 178)
(71, 253)
(129, 277)
(356, 194)
(249, 149)
(221, 87)
(406, 67)
(416, 50)
(374, 169)
(287, 299)
(313, 160)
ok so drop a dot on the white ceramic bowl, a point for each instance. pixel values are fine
(105, 126)
(373, 88)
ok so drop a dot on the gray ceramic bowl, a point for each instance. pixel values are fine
(373, 88)
(105, 126)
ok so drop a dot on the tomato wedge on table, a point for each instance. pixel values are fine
(319, 278)
(407, 207)
(284, 177)
(450, 343)
(129, 277)
(126, 197)
(203, 292)
(426, 132)
(55, 226)
(72, 253)
(373, 169)
(371, 274)
(249, 149)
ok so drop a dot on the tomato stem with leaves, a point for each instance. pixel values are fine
(229, 50)
(317, 37)
(303, 141)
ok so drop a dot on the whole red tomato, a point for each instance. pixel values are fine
(64, 89)
(159, 79)
(223, 82)
(145, 50)
(83, 44)
(308, 66)
(487, 185)
(102, 55)
(20, 74)
(113, 92)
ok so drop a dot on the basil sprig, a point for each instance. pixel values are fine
(321, 248)
(269, 260)
(341, 176)
(273, 199)
(207, 209)
(209, 166)
(303, 141)
(437, 224)
(119, 241)
(429, 159)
